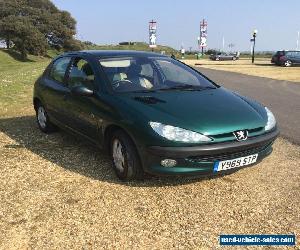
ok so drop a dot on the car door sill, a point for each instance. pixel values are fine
(75, 132)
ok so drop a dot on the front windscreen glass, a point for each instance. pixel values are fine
(133, 74)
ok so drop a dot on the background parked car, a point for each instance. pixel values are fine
(286, 58)
(224, 56)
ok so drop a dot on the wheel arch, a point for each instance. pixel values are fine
(110, 130)
(36, 101)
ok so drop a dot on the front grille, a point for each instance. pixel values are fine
(251, 132)
(227, 156)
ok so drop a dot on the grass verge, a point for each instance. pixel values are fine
(16, 81)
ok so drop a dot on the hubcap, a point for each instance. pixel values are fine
(42, 119)
(288, 63)
(118, 155)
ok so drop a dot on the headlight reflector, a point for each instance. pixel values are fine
(178, 134)
(271, 120)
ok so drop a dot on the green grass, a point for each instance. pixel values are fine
(16, 81)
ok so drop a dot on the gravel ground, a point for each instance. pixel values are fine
(58, 192)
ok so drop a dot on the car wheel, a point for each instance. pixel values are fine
(287, 63)
(43, 119)
(217, 58)
(234, 58)
(126, 161)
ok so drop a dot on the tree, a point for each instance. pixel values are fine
(6, 29)
(73, 45)
(26, 37)
(32, 25)
(211, 51)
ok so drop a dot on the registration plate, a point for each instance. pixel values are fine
(235, 163)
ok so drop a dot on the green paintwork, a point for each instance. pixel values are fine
(210, 112)
(213, 112)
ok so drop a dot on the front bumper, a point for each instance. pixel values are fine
(200, 160)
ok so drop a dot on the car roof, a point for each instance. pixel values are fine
(114, 53)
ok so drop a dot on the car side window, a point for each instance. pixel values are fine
(147, 70)
(294, 53)
(280, 53)
(81, 74)
(59, 69)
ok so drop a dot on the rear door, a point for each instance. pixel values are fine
(55, 89)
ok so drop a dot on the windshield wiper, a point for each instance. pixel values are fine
(187, 87)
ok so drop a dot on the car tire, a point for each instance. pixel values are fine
(217, 59)
(287, 63)
(43, 120)
(125, 158)
(233, 58)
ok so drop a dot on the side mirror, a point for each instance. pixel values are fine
(82, 91)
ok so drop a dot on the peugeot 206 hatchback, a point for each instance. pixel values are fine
(153, 113)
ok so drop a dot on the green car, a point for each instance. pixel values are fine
(153, 113)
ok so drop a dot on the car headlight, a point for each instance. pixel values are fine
(271, 120)
(178, 134)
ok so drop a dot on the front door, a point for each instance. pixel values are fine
(297, 57)
(82, 109)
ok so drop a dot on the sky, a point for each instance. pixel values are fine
(114, 21)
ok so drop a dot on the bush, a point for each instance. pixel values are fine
(73, 45)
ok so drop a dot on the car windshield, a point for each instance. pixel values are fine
(146, 74)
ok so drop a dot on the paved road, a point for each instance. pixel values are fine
(282, 97)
